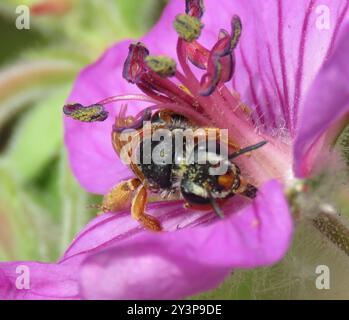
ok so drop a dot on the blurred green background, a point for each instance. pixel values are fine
(41, 205)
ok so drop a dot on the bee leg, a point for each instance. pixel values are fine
(250, 191)
(138, 210)
(247, 189)
(119, 197)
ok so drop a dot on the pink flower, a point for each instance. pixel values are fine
(290, 71)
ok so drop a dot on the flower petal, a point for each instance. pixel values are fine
(188, 261)
(111, 228)
(142, 272)
(326, 103)
(282, 47)
(43, 281)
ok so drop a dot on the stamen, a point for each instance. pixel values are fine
(136, 122)
(210, 80)
(185, 89)
(228, 67)
(134, 64)
(194, 8)
(156, 96)
(197, 54)
(188, 27)
(162, 65)
(236, 31)
(221, 61)
(220, 65)
(149, 74)
(152, 81)
(126, 97)
(82, 113)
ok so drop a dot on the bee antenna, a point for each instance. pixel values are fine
(247, 149)
(215, 205)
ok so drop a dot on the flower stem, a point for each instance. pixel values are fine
(333, 229)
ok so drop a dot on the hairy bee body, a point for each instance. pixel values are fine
(174, 178)
(175, 171)
(163, 176)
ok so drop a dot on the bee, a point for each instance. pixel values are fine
(177, 179)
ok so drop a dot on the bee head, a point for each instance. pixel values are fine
(209, 175)
(216, 178)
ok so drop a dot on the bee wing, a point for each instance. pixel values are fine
(164, 196)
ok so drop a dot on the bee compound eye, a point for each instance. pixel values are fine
(226, 181)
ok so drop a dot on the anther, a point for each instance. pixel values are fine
(82, 113)
(134, 64)
(188, 27)
(162, 65)
(194, 8)
(236, 31)
(210, 80)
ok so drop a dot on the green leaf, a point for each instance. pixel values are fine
(74, 204)
(25, 81)
(39, 136)
(21, 219)
(131, 10)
